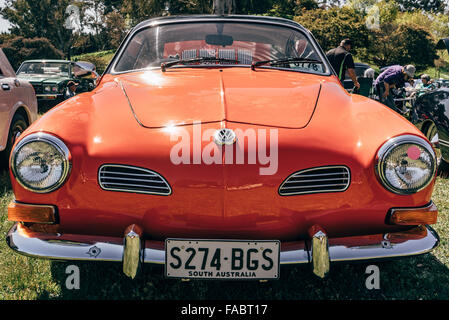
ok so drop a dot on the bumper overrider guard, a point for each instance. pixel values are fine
(319, 251)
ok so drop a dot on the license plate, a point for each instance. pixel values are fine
(222, 259)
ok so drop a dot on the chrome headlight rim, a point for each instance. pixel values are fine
(388, 146)
(55, 142)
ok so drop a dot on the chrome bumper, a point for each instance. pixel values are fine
(49, 96)
(94, 248)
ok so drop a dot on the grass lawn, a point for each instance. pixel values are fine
(434, 73)
(100, 59)
(422, 277)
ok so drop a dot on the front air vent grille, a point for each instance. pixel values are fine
(316, 180)
(115, 177)
(38, 88)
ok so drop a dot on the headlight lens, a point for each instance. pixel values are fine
(40, 162)
(51, 88)
(406, 164)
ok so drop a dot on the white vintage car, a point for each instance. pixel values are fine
(18, 107)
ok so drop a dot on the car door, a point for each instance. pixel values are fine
(8, 86)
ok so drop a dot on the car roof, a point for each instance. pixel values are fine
(48, 60)
(360, 64)
(157, 20)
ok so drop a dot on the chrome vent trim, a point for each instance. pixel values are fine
(124, 178)
(316, 180)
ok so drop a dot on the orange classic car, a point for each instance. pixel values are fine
(221, 147)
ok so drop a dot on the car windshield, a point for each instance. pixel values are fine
(239, 43)
(49, 69)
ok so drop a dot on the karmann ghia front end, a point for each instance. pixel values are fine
(221, 147)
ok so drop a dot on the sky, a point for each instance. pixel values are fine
(4, 24)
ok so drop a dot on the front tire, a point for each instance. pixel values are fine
(18, 125)
(443, 169)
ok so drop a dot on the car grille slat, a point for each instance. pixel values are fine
(316, 186)
(134, 179)
(38, 88)
(320, 175)
(311, 180)
(134, 174)
(114, 177)
(316, 180)
(133, 185)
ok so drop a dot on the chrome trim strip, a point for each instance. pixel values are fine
(104, 251)
(444, 142)
(150, 173)
(55, 142)
(135, 185)
(322, 174)
(133, 179)
(136, 174)
(317, 186)
(313, 180)
(344, 175)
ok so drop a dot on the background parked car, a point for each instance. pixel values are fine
(50, 77)
(18, 107)
(431, 115)
(360, 69)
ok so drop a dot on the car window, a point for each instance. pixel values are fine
(359, 72)
(244, 42)
(44, 69)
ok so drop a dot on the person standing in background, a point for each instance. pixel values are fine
(342, 61)
(393, 77)
(70, 90)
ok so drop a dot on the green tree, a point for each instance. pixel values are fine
(426, 5)
(189, 6)
(115, 30)
(290, 8)
(253, 6)
(403, 44)
(138, 10)
(112, 5)
(18, 49)
(332, 25)
(44, 18)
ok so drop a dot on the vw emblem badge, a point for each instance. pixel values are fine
(224, 137)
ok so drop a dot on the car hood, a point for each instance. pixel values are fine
(42, 79)
(182, 96)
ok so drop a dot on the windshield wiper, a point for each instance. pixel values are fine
(166, 65)
(283, 61)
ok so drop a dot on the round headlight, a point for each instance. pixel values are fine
(40, 162)
(406, 164)
(47, 88)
